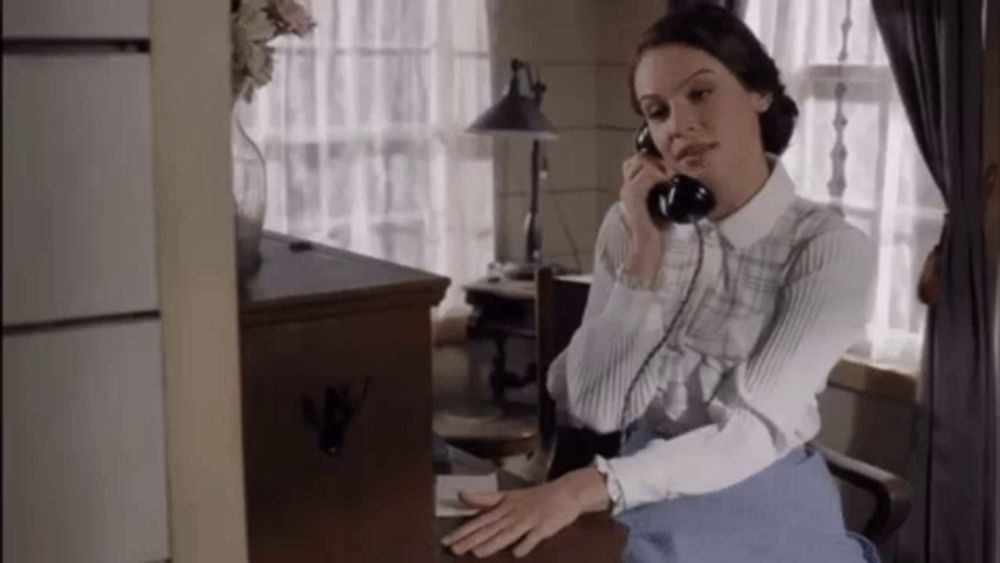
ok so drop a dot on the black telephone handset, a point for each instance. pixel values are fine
(682, 199)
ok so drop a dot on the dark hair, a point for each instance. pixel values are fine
(722, 34)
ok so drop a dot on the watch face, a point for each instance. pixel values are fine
(612, 485)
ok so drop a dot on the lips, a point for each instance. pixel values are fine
(694, 150)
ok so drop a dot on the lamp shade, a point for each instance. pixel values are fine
(514, 115)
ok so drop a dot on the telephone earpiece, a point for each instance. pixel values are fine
(682, 199)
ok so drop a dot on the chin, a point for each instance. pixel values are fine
(699, 168)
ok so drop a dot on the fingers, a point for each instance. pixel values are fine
(479, 537)
(477, 523)
(653, 162)
(531, 541)
(537, 513)
(634, 196)
(515, 531)
(480, 499)
(633, 165)
(634, 192)
(630, 167)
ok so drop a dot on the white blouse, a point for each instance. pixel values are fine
(782, 293)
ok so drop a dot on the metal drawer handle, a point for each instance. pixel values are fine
(331, 424)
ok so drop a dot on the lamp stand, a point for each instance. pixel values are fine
(532, 233)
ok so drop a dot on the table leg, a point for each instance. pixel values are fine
(498, 375)
(501, 378)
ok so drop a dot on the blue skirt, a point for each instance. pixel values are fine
(788, 513)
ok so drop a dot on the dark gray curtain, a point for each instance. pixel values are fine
(936, 51)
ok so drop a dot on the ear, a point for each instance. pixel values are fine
(761, 102)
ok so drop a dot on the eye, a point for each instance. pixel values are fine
(699, 94)
(656, 112)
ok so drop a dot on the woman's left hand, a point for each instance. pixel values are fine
(529, 515)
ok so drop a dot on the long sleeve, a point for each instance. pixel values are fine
(758, 415)
(620, 325)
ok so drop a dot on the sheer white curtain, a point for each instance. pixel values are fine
(362, 132)
(853, 149)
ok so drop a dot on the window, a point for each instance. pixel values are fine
(854, 150)
(362, 133)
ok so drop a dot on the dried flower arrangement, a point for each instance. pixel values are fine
(254, 23)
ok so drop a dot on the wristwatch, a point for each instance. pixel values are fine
(614, 487)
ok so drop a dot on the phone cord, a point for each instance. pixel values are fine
(663, 339)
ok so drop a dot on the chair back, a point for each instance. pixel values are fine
(560, 303)
(559, 306)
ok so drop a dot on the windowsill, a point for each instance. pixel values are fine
(870, 380)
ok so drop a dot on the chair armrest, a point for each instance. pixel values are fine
(892, 492)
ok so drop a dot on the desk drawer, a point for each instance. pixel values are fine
(78, 207)
(374, 501)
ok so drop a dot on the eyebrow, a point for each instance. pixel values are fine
(683, 82)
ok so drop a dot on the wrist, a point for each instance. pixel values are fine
(647, 239)
(644, 265)
(588, 489)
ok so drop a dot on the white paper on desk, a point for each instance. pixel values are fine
(447, 504)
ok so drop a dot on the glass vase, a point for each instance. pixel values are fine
(249, 196)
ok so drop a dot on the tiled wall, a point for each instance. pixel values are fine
(582, 48)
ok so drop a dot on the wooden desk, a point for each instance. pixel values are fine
(315, 319)
(594, 538)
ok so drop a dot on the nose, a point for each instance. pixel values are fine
(681, 121)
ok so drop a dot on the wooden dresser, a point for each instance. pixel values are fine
(316, 325)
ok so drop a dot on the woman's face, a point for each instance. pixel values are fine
(703, 121)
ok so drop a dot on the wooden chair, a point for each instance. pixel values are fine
(560, 304)
(486, 429)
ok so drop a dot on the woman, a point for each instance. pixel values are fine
(753, 308)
